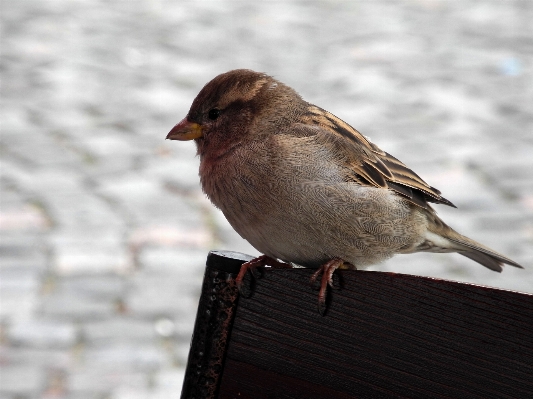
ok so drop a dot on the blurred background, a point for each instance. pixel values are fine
(104, 229)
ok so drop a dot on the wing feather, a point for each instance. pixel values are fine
(372, 165)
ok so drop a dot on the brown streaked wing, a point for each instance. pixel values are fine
(374, 165)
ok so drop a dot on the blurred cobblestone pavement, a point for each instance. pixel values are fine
(104, 230)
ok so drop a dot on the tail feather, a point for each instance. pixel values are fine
(442, 238)
(483, 259)
(481, 254)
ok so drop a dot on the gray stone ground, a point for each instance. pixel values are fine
(104, 230)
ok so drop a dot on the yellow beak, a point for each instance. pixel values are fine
(185, 130)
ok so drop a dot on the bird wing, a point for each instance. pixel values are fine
(367, 163)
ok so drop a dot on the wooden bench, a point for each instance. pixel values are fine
(384, 335)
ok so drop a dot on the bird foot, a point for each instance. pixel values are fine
(244, 284)
(327, 270)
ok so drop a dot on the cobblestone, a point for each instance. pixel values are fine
(158, 295)
(64, 306)
(46, 358)
(119, 329)
(103, 286)
(104, 229)
(43, 334)
(28, 380)
(90, 382)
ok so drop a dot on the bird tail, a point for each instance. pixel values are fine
(440, 237)
(480, 253)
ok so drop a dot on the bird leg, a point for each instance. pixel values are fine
(252, 266)
(327, 269)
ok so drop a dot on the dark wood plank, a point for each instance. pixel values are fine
(388, 335)
(240, 381)
(385, 335)
(213, 325)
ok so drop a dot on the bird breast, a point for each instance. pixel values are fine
(306, 214)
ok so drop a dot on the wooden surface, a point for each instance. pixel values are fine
(385, 335)
(213, 325)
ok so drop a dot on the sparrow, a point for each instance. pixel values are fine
(304, 187)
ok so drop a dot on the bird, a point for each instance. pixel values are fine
(304, 187)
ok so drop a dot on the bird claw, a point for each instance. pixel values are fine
(245, 285)
(244, 280)
(328, 279)
(336, 281)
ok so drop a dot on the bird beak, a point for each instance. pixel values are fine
(185, 130)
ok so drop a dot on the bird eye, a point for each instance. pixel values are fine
(214, 113)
